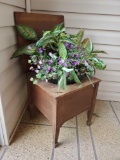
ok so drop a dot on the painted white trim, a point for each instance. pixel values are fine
(1, 135)
(2, 115)
(28, 6)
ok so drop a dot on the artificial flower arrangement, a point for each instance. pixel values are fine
(60, 56)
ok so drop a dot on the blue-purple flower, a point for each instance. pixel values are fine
(53, 69)
(67, 45)
(76, 63)
(65, 64)
(85, 62)
(48, 69)
(67, 74)
(40, 50)
(78, 55)
(61, 61)
(50, 61)
(72, 55)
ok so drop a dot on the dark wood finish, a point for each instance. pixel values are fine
(62, 106)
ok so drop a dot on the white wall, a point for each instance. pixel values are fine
(101, 19)
(13, 95)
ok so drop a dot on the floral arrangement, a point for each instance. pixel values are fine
(60, 56)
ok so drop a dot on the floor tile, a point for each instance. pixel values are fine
(67, 150)
(106, 132)
(30, 143)
(86, 148)
(39, 118)
(116, 108)
(2, 151)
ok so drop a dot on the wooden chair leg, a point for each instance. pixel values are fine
(90, 112)
(89, 117)
(32, 111)
(56, 131)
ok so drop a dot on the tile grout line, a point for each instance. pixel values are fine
(3, 153)
(46, 125)
(93, 144)
(114, 112)
(52, 151)
(78, 144)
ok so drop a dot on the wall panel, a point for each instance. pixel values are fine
(7, 38)
(79, 6)
(13, 93)
(7, 14)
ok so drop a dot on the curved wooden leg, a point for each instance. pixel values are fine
(91, 110)
(89, 117)
(56, 131)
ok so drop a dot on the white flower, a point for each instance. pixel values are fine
(40, 62)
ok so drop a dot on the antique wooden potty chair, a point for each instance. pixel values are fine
(56, 107)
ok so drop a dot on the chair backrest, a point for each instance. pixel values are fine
(39, 22)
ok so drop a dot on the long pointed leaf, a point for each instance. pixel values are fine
(30, 49)
(62, 51)
(79, 36)
(58, 27)
(27, 32)
(60, 83)
(87, 44)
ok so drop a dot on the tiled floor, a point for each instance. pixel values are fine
(100, 141)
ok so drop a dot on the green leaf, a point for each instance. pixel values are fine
(38, 75)
(35, 81)
(99, 51)
(46, 33)
(75, 77)
(89, 79)
(17, 53)
(62, 51)
(67, 69)
(60, 82)
(57, 32)
(64, 81)
(43, 39)
(100, 65)
(62, 35)
(27, 32)
(67, 40)
(31, 79)
(79, 36)
(30, 50)
(45, 42)
(87, 44)
(58, 27)
(29, 61)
